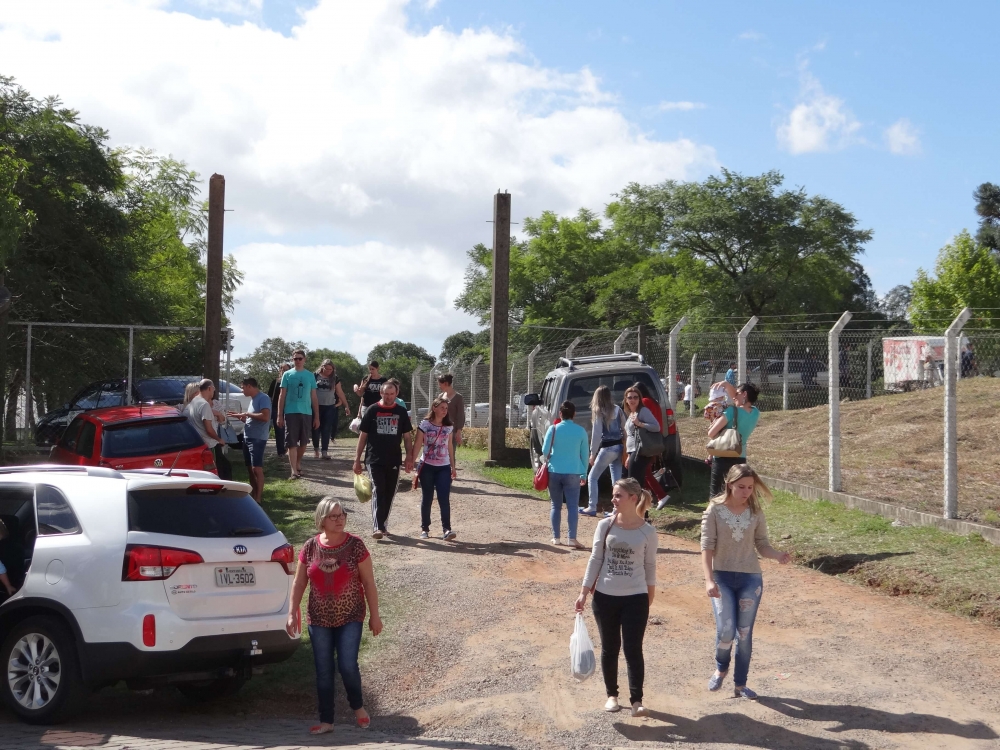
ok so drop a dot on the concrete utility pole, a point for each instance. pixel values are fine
(499, 315)
(642, 341)
(952, 368)
(213, 280)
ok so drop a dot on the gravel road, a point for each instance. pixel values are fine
(480, 650)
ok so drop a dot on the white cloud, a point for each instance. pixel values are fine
(820, 122)
(356, 129)
(752, 36)
(246, 8)
(679, 106)
(903, 138)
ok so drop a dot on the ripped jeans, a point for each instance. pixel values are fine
(735, 612)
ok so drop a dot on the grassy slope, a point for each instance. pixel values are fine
(954, 573)
(892, 447)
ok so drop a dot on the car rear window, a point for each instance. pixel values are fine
(162, 390)
(581, 389)
(230, 513)
(149, 439)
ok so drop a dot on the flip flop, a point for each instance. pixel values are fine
(321, 729)
(365, 722)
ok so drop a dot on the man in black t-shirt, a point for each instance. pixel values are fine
(382, 427)
(370, 389)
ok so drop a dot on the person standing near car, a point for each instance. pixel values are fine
(298, 410)
(744, 397)
(274, 393)
(637, 417)
(384, 424)
(565, 447)
(649, 481)
(337, 568)
(258, 421)
(456, 405)
(327, 384)
(200, 415)
(607, 443)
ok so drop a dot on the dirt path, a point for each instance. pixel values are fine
(481, 653)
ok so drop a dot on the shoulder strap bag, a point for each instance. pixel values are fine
(649, 443)
(541, 480)
(604, 550)
(729, 442)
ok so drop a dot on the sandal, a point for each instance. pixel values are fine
(365, 722)
(321, 729)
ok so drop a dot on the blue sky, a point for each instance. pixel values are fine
(378, 130)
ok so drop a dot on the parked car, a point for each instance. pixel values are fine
(167, 390)
(133, 437)
(576, 380)
(136, 576)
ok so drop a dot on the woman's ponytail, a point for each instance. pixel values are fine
(645, 502)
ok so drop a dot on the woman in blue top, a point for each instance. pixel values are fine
(565, 449)
(744, 396)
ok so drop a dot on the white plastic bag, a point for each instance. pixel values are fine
(581, 652)
(355, 426)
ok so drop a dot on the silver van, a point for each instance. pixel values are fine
(576, 380)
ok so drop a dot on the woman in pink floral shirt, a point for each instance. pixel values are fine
(338, 569)
(437, 467)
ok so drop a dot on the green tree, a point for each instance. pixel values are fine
(987, 198)
(967, 274)
(463, 347)
(398, 349)
(400, 359)
(264, 361)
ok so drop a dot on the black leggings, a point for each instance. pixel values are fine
(385, 479)
(621, 621)
(720, 467)
(222, 463)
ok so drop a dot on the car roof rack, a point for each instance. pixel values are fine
(90, 471)
(601, 358)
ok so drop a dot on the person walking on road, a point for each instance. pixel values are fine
(733, 532)
(206, 420)
(338, 569)
(384, 424)
(607, 443)
(456, 405)
(437, 468)
(274, 393)
(370, 388)
(565, 447)
(744, 397)
(258, 421)
(622, 575)
(329, 397)
(298, 410)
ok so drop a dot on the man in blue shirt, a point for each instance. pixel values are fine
(258, 421)
(298, 410)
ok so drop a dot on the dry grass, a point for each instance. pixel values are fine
(891, 448)
(477, 438)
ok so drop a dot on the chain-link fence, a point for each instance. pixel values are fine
(55, 370)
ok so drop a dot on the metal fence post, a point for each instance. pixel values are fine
(672, 363)
(27, 389)
(414, 389)
(833, 368)
(571, 347)
(472, 390)
(131, 352)
(868, 386)
(620, 341)
(430, 389)
(951, 413)
(531, 367)
(694, 381)
(784, 383)
(510, 416)
(741, 350)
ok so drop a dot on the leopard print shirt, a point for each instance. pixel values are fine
(336, 596)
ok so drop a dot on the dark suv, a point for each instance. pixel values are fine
(576, 380)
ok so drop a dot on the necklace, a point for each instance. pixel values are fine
(738, 524)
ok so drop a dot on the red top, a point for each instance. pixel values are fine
(336, 596)
(654, 407)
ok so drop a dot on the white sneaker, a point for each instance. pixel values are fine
(449, 535)
(424, 535)
(612, 705)
(555, 540)
(639, 710)
(663, 503)
(377, 535)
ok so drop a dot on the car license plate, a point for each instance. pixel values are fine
(241, 576)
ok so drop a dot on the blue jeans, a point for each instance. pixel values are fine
(606, 457)
(735, 612)
(345, 641)
(435, 478)
(564, 487)
(327, 426)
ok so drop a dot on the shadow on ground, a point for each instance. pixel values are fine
(835, 565)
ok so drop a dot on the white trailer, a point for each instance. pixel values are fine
(906, 365)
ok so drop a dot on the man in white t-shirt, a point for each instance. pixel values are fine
(199, 413)
(689, 396)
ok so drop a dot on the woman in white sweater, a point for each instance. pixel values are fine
(622, 574)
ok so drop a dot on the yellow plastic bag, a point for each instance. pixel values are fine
(363, 487)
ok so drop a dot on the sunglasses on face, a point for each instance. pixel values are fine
(298, 359)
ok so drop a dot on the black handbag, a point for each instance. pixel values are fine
(649, 443)
(666, 479)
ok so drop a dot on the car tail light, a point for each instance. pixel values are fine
(149, 631)
(285, 554)
(146, 563)
(208, 461)
(205, 489)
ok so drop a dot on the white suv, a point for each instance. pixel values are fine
(139, 576)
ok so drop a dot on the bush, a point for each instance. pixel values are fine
(477, 438)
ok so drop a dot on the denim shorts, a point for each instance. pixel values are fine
(253, 452)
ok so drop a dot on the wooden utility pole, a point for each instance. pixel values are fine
(213, 281)
(499, 329)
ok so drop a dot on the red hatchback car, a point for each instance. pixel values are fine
(133, 437)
